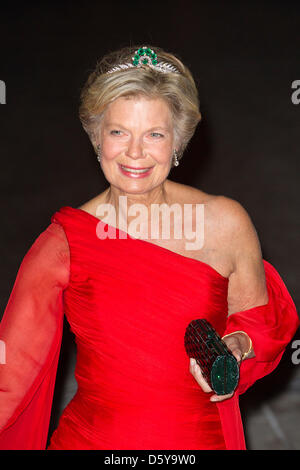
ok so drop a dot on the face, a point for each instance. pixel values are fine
(137, 143)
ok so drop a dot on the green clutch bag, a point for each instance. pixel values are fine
(218, 365)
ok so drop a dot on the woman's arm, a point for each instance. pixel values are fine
(258, 302)
(247, 283)
(31, 330)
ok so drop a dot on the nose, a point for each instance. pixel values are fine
(135, 149)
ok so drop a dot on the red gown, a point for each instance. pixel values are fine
(128, 302)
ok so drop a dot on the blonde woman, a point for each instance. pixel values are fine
(124, 270)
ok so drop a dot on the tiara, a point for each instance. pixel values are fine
(146, 56)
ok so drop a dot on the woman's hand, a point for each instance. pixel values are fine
(238, 344)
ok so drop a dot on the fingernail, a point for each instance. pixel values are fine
(193, 362)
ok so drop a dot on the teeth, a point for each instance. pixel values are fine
(130, 170)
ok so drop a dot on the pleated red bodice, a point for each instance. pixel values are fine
(128, 302)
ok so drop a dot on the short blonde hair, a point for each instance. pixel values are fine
(177, 89)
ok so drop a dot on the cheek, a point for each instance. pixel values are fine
(111, 150)
(162, 153)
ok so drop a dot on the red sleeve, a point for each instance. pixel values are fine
(31, 332)
(270, 327)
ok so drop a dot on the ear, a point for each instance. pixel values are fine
(95, 140)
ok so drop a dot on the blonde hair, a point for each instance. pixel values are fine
(177, 89)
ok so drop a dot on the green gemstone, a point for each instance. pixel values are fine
(140, 51)
(145, 61)
(154, 62)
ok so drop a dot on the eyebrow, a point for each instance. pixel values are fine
(115, 124)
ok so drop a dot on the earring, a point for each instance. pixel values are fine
(99, 153)
(175, 158)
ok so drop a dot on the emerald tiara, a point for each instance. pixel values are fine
(146, 56)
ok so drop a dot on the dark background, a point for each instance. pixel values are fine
(244, 57)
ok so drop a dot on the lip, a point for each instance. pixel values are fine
(135, 167)
(135, 175)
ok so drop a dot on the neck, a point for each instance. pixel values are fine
(122, 201)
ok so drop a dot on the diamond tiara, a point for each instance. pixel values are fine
(146, 56)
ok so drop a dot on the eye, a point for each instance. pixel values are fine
(156, 135)
(115, 132)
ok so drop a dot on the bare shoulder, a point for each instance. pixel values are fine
(230, 233)
(218, 208)
(184, 194)
(234, 224)
(247, 282)
(224, 217)
(231, 212)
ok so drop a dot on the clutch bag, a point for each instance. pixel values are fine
(218, 365)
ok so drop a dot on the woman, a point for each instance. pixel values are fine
(129, 300)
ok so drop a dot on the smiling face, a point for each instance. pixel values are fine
(137, 143)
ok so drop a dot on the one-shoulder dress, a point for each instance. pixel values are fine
(128, 303)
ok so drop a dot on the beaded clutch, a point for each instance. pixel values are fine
(218, 365)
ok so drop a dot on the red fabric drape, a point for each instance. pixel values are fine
(32, 328)
(270, 327)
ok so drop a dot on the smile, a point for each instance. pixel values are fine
(135, 172)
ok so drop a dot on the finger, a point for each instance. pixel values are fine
(234, 345)
(197, 374)
(237, 353)
(219, 398)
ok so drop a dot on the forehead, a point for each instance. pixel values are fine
(154, 111)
